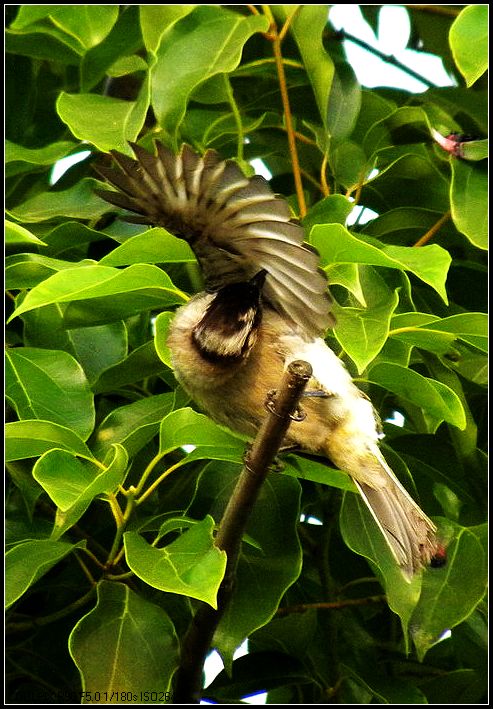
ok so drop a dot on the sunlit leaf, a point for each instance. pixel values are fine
(191, 565)
(469, 42)
(49, 385)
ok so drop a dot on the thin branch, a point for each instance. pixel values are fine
(388, 58)
(433, 230)
(276, 38)
(323, 177)
(330, 605)
(53, 617)
(198, 639)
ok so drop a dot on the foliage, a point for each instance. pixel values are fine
(110, 513)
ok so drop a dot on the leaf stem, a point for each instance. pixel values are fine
(237, 117)
(121, 525)
(157, 482)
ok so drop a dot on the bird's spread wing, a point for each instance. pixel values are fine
(235, 225)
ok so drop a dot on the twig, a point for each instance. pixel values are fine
(276, 38)
(342, 35)
(330, 605)
(433, 230)
(198, 640)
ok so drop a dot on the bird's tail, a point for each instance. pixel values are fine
(408, 532)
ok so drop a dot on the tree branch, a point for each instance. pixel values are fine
(330, 605)
(342, 35)
(276, 38)
(433, 230)
(198, 640)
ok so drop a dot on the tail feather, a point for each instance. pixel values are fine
(408, 532)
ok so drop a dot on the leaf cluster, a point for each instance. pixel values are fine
(117, 483)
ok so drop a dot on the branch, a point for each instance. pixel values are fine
(433, 230)
(198, 640)
(276, 38)
(330, 605)
(388, 58)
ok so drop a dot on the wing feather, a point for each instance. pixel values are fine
(236, 225)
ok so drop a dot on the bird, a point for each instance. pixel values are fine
(265, 304)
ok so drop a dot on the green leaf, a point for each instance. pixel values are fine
(51, 386)
(475, 149)
(438, 400)
(79, 201)
(191, 565)
(45, 44)
(445, 599)
(72, 484)
(70, 237)
(98, 348)
(20, 159)
(207, 41)
(29, 439)
(141, 363)
(344, 105)
(152, 246)
(17, 234)
(133, 425)
(124, 645)
(104, 121)
(362, 535)
(48, 155)
(317, 472)
(89, 24)
(386, 690)
(336, 245)
(468, 201)
(123, 39)
(186, 427)
(45, 23)
(461, 686)
(363, 332)
(29, 561)
(404, 225)
(95, 348)
(100, 294)
(307, 27)
(418, 330)
(349, 164)
(334, 209)
(470, 327)
(156, 19)
(469, 42)
(161, 330)
(27, 270)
